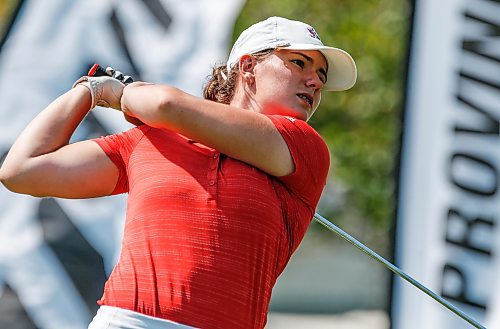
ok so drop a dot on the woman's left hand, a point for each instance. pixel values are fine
(106, 91)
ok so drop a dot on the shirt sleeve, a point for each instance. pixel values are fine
(311, 158)
(118, 148)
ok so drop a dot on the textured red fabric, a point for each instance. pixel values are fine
(206, 236)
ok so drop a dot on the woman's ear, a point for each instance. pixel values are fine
(246, 65)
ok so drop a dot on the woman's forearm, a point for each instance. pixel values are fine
(49, 130)
(238, 133)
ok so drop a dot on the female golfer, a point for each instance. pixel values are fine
(220, 190)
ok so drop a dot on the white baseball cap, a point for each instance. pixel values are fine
(282, 33)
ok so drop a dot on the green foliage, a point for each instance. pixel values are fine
(6, 8)
(361, 125)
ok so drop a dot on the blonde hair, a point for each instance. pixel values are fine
(221, 84)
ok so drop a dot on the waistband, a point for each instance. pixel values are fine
(110, 317)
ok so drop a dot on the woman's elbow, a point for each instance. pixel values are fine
(13, 181)
(8, 179)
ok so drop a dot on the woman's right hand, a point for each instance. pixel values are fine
(129, 116)
(132, 120)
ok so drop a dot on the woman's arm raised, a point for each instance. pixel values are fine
(43, 163)
(241, 134)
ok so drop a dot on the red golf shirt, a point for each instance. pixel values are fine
(206, 236)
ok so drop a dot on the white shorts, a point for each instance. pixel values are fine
(109, 317)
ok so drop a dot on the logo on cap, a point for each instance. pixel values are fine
(312, 33)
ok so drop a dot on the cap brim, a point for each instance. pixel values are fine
(342, 70)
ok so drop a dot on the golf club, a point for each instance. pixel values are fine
(323, 221)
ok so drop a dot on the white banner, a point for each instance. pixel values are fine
(55, 254)
(448, 234)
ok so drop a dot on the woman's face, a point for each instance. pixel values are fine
(292, 79)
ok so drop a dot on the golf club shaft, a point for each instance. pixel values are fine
(396, 270)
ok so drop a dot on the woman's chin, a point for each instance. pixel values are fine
(284, 109)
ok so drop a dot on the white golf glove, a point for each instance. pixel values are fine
(105, 91)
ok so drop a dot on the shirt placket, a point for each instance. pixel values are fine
(212, 174)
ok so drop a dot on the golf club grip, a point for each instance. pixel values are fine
(98, 71)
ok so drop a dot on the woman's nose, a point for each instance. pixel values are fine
(314, 81)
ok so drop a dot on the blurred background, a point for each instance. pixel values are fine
(328, 283)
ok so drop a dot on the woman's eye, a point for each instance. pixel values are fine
(298, 62)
